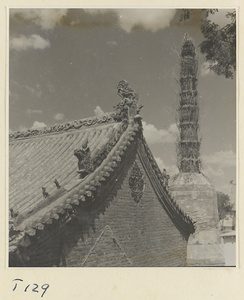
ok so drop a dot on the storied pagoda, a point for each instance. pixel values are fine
(191, 189)
(189, 143)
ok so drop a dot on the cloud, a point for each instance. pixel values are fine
(112, 43)
(98, 112)
(160, 163)
(212, 172)
(22, 128)
(171, 169)
(59, 116)
(225, 188)
(74, 23)
(95, 11)
(34, 41)
(205, 70)
(34, 91)
(221, 158)
(220, 17)
(50, 88)
(214, 164)
(149, 19)
(45, 18)
(13, 97)
(34, 111)
(157, 136)
(38, 124)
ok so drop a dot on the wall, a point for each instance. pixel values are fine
(197, 197)
(229, 245)
(127, 233)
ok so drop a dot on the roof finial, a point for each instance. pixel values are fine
(128, 108)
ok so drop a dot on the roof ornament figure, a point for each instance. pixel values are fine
(125, 91)
(166, 178)
(85, 164)
(13, 213)
(128, 107)
(44, 192)
(57, 184)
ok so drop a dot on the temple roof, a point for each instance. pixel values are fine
(39, 158)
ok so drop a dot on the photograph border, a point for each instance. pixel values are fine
(115, 282)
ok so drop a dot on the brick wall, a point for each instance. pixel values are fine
(126, 233)
(197, 197)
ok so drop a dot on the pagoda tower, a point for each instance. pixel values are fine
(191, 189)
(189, 144)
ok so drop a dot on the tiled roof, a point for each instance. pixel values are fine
(46, 157)
(36, 161)
(39, 157)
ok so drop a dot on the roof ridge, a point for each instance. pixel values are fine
(171, 201)
(64, 127)
(125, 111)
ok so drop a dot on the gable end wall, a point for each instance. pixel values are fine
(143, 230)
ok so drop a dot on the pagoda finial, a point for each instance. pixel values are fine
(188, 48)
(186, 37)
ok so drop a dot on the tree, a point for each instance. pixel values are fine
(219, 45)
(224, 205)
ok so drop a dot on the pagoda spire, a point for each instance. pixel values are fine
(189, 144)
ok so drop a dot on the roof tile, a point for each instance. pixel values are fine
(49, 156)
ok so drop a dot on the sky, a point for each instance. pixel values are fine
(65, 64)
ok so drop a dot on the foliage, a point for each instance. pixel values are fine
(219, 44)
(224, 205)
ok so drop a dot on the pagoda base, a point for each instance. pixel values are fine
(198, 199)
(204, 250)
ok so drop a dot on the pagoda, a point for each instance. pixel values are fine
(189, 143)
(191, 189)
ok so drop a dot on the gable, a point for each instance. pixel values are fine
(142, 229)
